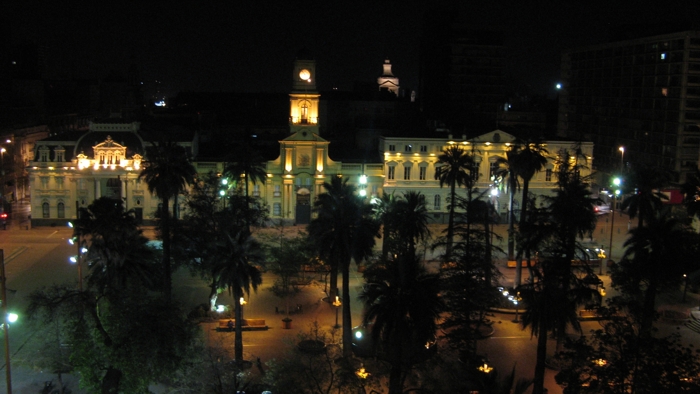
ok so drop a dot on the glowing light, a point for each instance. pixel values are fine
(485, 368)
(160, 103)
(358, 335)
(363, 193)
(558, 86)
(220, 308)
(73, 259)
(12, 317)
(363, 179)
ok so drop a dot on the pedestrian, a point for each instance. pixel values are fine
(277, 310)
(230, 324)
(259, 365)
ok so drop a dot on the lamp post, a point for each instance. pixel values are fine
(516, 301)
(622, 159)
(337, 305)
(6, 322)
(616, 181)
(242, 302)
(78, 241)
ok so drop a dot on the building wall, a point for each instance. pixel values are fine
(642, 94)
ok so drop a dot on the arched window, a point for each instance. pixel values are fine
(45, 210)
(61, 210)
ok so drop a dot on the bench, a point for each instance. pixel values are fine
(248, 325)
(512, 263)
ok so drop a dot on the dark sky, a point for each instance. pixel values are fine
(250, 45)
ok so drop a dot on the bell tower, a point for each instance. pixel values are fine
(303, 100)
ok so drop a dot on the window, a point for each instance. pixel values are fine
(61, 210)
(424, 148)
(408, 148)
(45, 210)
(407, 173)
(276, 193)
(277, 209)
(43, 154)
(437, 171)
(392, 172)
(60, 155)
(256, 190)
(423, 171)
(436, 202)
(548, 175)
(392, 148)
(59, 182)
(663, 56)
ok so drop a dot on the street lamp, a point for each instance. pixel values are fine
(622, 159)
(242, 302)
(616, 182)
(78, 241)
(363, 185)
(516, 301)
(337, 305)
(7, 321)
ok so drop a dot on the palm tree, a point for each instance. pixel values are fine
(646, 198)
(508, 168)
(691, 193)
(455, 170)
(656, 258)
(531, 160)
(383, 210)
(411, 221)
(247, 164)
(402, 311)
(117, 251)
(344, 229)
(239, 251)
(167, 172)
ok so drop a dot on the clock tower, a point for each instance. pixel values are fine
(303, 100)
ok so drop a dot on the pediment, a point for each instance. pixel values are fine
(109, 144)
(495, 136)
(304, 135)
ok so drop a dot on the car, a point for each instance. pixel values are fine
(3, 220)
(601, 208)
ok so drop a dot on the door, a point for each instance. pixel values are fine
(303, 208)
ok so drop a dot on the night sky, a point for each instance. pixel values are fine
(250, 45)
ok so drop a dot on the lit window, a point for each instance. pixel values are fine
(277, 209)
(664, 92)
(407, 173)
(276, 193)
(256, 190)
(423, 171)
(436, 202)
(548, 175)
(392, 172)
(45, 210)
(663, 56)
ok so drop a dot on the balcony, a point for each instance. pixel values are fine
(296, 120)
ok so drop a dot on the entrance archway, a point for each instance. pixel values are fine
(303, 208)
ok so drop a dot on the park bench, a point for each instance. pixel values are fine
(248, 325)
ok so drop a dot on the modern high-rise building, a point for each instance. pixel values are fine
(641, 94)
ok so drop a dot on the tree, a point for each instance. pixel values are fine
(508, 168)
(248, 165)
(344, 229)
(411, 222)
(531, 160)
(645, 198)
(691, 193)
(167, 172)
(238, 251)
(656, 257)
(117, 251)
(384, 208)
(402, 307)
(123, 335)
(556, 292)
(455, 170)
(618, 359)
(287, 259)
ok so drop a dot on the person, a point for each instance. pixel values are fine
(230, 324)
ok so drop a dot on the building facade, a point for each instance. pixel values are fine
(641, 94)
(69, 171)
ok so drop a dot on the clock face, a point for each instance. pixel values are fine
(304, 74)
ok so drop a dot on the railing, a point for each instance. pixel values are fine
(303, 121)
